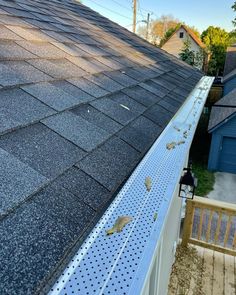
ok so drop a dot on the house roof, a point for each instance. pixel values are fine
(220, 114)
(82, 100)
(197, 40)
(230, 62)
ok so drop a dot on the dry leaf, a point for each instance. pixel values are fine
(121, 221)
(148, 183)
(171, 145)
(155, 216)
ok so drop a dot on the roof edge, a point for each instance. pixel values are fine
(184, 122)
(221, 123)
(192, 35)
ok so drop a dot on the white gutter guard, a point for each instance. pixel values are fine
(118, 264)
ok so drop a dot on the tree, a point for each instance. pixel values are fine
(186, 54)
(167, 36)
(217, 40)
(234, 8)
(172, 30)
(232, 37)
(158, 28)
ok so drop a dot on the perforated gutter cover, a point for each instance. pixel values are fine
(120, 262)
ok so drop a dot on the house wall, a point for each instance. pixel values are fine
(175, 44)
(227, 129)
(229, 85)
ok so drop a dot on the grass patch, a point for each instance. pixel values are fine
(199, 155)
(206, 179)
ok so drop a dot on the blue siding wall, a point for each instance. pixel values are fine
(229, 85)
(228, 129)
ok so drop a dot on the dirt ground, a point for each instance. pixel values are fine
(187, 272)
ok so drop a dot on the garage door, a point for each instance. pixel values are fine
(227, 160)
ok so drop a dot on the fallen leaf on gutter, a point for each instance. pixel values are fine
(121, 221)
(148, 183)
(171, 145)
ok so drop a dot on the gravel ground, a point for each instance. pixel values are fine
(187, 272)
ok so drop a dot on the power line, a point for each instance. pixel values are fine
(139, 8)
(108, 9)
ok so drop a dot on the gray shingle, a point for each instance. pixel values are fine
(35, 238)
(19, 72)
(74, 91)
(18, 181)
(8, 34)
(18, 12)
(110, 163)
(135, 73)
(114, 110)
(74, 128)
(84, 187)
(158, 115)
(88, 87)
(57, 36)
(122, 78)
(219, 114)
(43, 49)
(97, 118)
(108, 61)
(169, 104)
(10, 50)
(30, 34)
(90, 65)
(142, 95)
(71, 49)
(128, 102)
(19, 108)
(93, 50)
(42, 149)
(57, 68)
(105, 82)
(52, 96)
(147, 127)
(164, 83)
(135, 138)
(12, 20)
(154, 88)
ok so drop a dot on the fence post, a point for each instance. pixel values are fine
(188, 222)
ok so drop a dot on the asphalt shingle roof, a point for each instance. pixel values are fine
(220, 114)
(230, 61)
(81, 101)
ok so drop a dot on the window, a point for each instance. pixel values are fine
(181, 35)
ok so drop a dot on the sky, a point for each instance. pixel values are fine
(198, 13)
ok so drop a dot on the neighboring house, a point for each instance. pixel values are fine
(175, 43)
(82, 100)
(229, 78)
(222, 125)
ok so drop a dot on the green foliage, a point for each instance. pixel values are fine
(190, 56)
(167, 35)
(186, 54)
(194, 30)
(199, 155)
(217, 40)
(206, 179)
(199, 58)
(234, 8)
(232, 37)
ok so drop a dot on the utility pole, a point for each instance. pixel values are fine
(134, 15)
(148, 21)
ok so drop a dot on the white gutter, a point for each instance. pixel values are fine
(119, 263)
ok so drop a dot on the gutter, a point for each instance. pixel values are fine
(119, 263)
